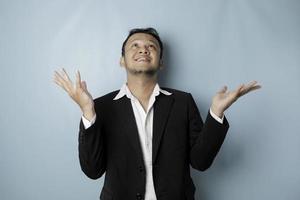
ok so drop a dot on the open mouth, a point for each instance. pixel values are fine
(143, 59)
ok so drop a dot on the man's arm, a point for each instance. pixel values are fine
(205, 139)
(91, 148)
(91, 138)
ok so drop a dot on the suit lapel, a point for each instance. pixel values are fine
(162, 108)
(129, 124)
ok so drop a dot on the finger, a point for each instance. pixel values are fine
(61, 80)
(252, 83)
(223, 89)
(238, 92)
(83, 85)
(250, 89)
(78, 79)
(66, 76)
(60, 77)
(251, 86)
(240, 88)
(57, 82)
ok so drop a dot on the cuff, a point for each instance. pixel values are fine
(220, 120)
(87, 123)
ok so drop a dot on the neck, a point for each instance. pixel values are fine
(141, 86)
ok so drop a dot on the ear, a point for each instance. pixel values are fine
(122, 61)
(161, 66)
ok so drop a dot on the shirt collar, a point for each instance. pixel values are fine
(125, 91)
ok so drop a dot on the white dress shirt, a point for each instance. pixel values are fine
(144, 121)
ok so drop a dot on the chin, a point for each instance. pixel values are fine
(143, 70)
(144, 67)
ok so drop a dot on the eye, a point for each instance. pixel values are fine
(151, 46)
(134, 45)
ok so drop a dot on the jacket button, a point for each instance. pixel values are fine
(139, 196)
(141, 169)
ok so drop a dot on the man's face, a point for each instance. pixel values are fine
(142, 54)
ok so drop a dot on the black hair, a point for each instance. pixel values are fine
(150, 31)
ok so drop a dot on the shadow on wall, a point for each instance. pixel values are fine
(166, 72)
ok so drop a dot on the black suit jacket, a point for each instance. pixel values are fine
(180, 139)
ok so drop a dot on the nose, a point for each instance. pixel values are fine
(144, 50)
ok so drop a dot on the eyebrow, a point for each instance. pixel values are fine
(141, 40)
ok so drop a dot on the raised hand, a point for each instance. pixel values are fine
(224, 99)
(78, 92)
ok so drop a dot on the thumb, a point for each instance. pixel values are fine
(223, 90)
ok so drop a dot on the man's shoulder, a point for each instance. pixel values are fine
(107, 97)
(111, 95)
(176, 92)
(179, 96)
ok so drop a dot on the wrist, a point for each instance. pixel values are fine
(88, 113)
(217, 111)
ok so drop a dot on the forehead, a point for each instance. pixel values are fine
(142, 37)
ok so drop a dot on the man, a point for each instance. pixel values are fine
(142, 136)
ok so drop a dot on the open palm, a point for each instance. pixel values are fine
(78, 91)
(224, 99)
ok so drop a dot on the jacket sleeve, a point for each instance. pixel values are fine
(205, 139)
(91, 148)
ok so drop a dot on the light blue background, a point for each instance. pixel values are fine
(208, 44)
